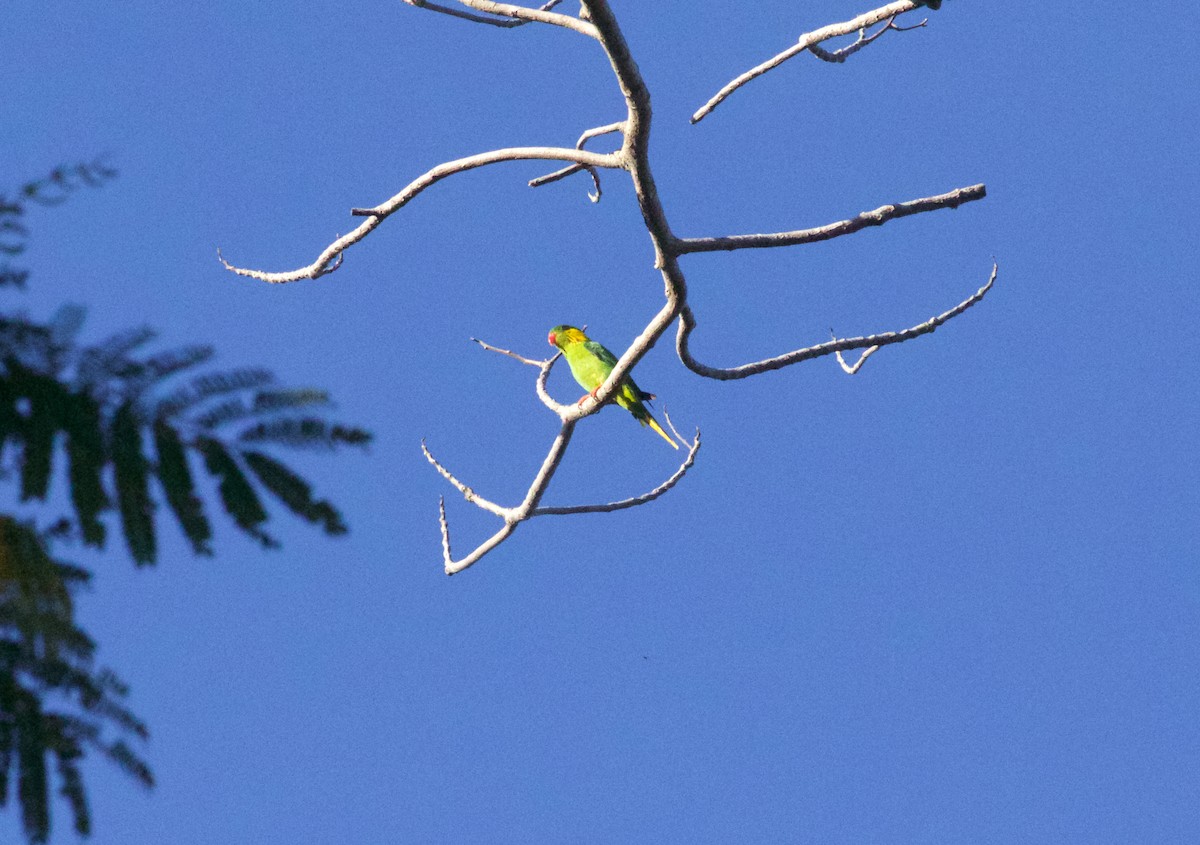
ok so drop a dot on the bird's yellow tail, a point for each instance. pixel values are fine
(653, 423)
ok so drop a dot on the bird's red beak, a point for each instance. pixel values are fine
(550, 338)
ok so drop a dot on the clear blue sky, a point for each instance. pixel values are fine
(952, 599)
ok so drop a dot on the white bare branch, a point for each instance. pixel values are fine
(504, 23)
(530, 361)
(597, 20)
(807, 41)
(619, 126)
(509, 15)
(330, 257)
(866, 219)
(687, 324)
(467, 492)
(636, 500)
(841, 54)
(862, 359)
(453, 566)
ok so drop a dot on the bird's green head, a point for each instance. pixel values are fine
(564, 336)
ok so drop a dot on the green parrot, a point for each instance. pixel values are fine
(591, 363)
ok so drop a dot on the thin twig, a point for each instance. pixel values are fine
(530, 361)
(841, 54)
(687, 324)
(862, 359)
(878, 217)
(325, 262)
(619, 126)
(636, 500)
(519, 14)
(504, 23)
(806, 41)
(468, 494)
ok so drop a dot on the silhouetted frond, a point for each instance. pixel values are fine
(238, 496)
(175, 360)
(86, 459)
(206, 386)
(64, 326)
(47, 400)
(311, 432)
(121, 754)
(133, 494)
(110, 357)
(264, 402)
(68, 753)
(176, 478)
(45, 657)
(294, 492)
(33, 792)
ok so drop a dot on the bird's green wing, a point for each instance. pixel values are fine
(601, 352)
(590, 363)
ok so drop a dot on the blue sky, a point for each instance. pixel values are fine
(953, 598)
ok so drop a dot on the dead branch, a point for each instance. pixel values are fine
(636, 500)
(808, 40)
(619, 126)
(596, 19)
(878, 217)
(840, 55)
(504, 23)
(510, 15)
(330, 258)
(687, 324)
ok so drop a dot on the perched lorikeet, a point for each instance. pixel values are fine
(591, 363)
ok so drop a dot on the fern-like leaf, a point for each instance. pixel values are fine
(86, 459)
(238, 496)
(264, 402)
(310, 432)
(294, 492)
(176, 479)
(32, 789)
(47, 402)
(133, 494)
(207, 386)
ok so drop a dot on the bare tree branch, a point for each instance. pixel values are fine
(504, 23)
(619, 126)
(687, 324)
(636, 500)
(516, 15)
(806, 42)
(530, 361)
(453, 566)
(878, 217)
(330, 257)
(596, 19)
(467, 492)
(862, 359)
(840, 55)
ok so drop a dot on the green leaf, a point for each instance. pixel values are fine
(239, 498)
(294, 492)
(265, 402)
(311, 432)
(69, 753)
(132, 477)
(177, 484)
(205, 387)
(86, 459)
(48, 400)
(32, 789)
